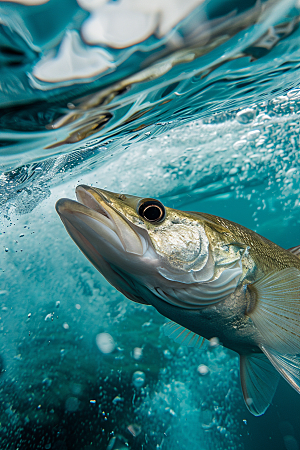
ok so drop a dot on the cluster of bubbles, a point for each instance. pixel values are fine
(223, 153)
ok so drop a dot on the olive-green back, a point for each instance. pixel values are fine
(265, 253)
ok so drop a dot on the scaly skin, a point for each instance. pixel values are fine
(183, 241)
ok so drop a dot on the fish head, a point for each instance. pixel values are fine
(140, 245)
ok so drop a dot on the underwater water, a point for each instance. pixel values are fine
(196, 103)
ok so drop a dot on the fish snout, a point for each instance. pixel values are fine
(63, 205)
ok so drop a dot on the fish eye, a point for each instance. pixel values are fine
(152, 210)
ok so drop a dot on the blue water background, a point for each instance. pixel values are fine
(226, 143)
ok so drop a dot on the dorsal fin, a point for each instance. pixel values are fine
(182, 335)
(295, 250)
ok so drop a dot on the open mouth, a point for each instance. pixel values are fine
(87, 199)
(97, 221)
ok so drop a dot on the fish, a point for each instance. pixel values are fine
(209, 276)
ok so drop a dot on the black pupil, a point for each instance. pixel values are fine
(152, 211)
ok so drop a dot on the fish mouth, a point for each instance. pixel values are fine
(93, 220)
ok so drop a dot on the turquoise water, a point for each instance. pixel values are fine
(199, 108)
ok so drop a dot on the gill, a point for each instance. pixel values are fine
(218, 277)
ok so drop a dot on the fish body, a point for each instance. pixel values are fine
(211, 277)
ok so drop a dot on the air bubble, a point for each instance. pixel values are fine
(238, 145)
(246, 115)
(105, 343)
(138, 379)
(214, 342)
(137, 353)
(294, 94)
(202, 370)
(252, 135)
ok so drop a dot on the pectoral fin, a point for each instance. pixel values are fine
(182, 335)
(276, 313)
(259, 381)
(287, 365)
(277, 317)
